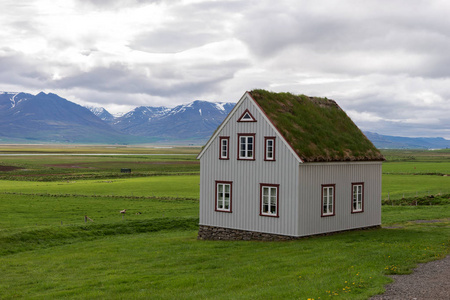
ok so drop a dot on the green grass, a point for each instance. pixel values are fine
(412, 185)
(173, 264)
(47, 251)
(55, 168)
(418, 168)
(335, 137)
(411, 173)
(156, 186)
(29, 212)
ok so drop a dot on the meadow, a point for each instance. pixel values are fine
(49, 250)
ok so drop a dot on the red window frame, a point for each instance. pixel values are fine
(221, 139)
(354, 211)
(270, 185)
(216, 197)
(239, 146)
(266, 139)
(250, 114)
(334, 200)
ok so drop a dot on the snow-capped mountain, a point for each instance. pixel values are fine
(138, 116)
(193, 121)
(101, 113)
(44, 117)
(50, 118)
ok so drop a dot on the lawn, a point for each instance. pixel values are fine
(411, 173)
(182, 186)
(170, 264)
(47, 250)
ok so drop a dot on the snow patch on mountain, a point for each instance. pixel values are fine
(96, 110)
(220, 105)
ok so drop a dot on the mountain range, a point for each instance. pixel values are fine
(48, 118)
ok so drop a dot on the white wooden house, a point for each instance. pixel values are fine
(283, 166)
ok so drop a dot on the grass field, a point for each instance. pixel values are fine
(48, 251)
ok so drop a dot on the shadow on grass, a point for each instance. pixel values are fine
(55, 236)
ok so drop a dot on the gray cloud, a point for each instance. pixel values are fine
(385, 63)
(156, 80)
(172, 40)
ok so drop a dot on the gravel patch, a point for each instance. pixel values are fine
(428, 281)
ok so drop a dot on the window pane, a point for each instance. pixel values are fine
(273, 192)
(273, 209)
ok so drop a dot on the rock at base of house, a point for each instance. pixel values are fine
(219, 233)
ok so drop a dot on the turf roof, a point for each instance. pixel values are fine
(317, 128)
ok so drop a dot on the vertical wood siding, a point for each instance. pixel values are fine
(300, 185)
(312, 176)
(247, 176)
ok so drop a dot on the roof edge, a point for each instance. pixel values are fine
(275, 128)
(218, 129)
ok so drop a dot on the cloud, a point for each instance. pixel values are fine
(385, 64)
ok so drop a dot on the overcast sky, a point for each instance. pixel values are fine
(386, 63)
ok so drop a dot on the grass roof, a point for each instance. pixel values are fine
(317, 128)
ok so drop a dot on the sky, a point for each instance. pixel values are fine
(386, 63)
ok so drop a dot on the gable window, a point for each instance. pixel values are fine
(357, 197)
(246, 146)
(223, 196)
(269, 197)
(246, 117)
(224, 147)
(269, 148)
(328, 195)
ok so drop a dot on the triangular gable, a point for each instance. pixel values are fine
(248, 96)
(246, 117)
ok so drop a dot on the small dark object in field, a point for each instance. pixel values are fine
(125, 170)
(123, 211)
(139, 213)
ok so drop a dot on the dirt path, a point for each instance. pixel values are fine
(428, 281)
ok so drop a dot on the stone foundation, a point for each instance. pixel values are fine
(220, 233)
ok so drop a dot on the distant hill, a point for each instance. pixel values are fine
(48, 118)
(398, 142)
(195, 121)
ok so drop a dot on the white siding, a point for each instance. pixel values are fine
(311, 178)
(247, 176)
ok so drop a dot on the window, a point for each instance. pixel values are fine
(223, 196)
(269, 199)
(246, 146)
(328, 200)
(246, 117)
(224, 147)
(357, 197)
(269, 148)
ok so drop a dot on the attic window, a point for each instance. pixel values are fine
(246, 117)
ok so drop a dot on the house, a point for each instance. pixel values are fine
(284, 166)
